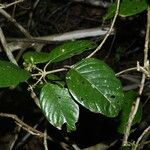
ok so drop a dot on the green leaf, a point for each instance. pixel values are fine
(130, 97)
(70, 49)
(58, 106)
(36, 57)
(56, 79)
(110, 12)
(125, 148)
(132, 7)
(93, 84)
(11, 75)
(127, 8)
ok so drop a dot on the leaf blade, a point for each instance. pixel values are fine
(35, 57)
(94, 85)
(127, 8)
(11, 75)
(58, 106)
(70, 49)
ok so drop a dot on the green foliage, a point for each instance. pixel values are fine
(55, 79)
(58, 106)
(127, 8)
(70, 49)
(59, 53)
(125, 148)
(130, 97)
(11, 75)
(93, 84)
(89, 82)
(36, 57)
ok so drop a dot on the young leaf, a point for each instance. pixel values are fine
(93, 84)
(36, 57)
(130, 97)
(70, 49)
(127, 8)
(58, 106)
(11, 75)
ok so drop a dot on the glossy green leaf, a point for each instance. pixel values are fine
(11, 75)
(127, 8)
(93, 84)
(58, 106)
(130, 97)
(36, 57)
(70, 49)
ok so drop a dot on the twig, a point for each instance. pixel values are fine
(99, 3)
(24, 139)
(109, 31)
(126, 70)
(8, 5)
(6, 47)
(20, 27)
(49, 72)
(25, 126)
(140, 138)
(133, 113)
(72, 35)
(33, 95)
(144, 143)
(31, 13)
(136, 105)
(45, 140)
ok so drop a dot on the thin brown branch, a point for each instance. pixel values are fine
(8, 5)
(72, 35)
(146, 131)
(20, 27)
(24, 125)
(45, 140)
(126, 70)
(109, 31)
(136, 105)
(7, 48)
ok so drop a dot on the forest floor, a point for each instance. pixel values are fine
(122, 50)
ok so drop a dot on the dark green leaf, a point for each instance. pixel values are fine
(70, 49)
(94, 85)
(127, 8)
(125, 148)
(56, 79)
(58, 106)
(110, 12)
(11, 75)
(130, 97)
(132, 7)
(36, 57)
